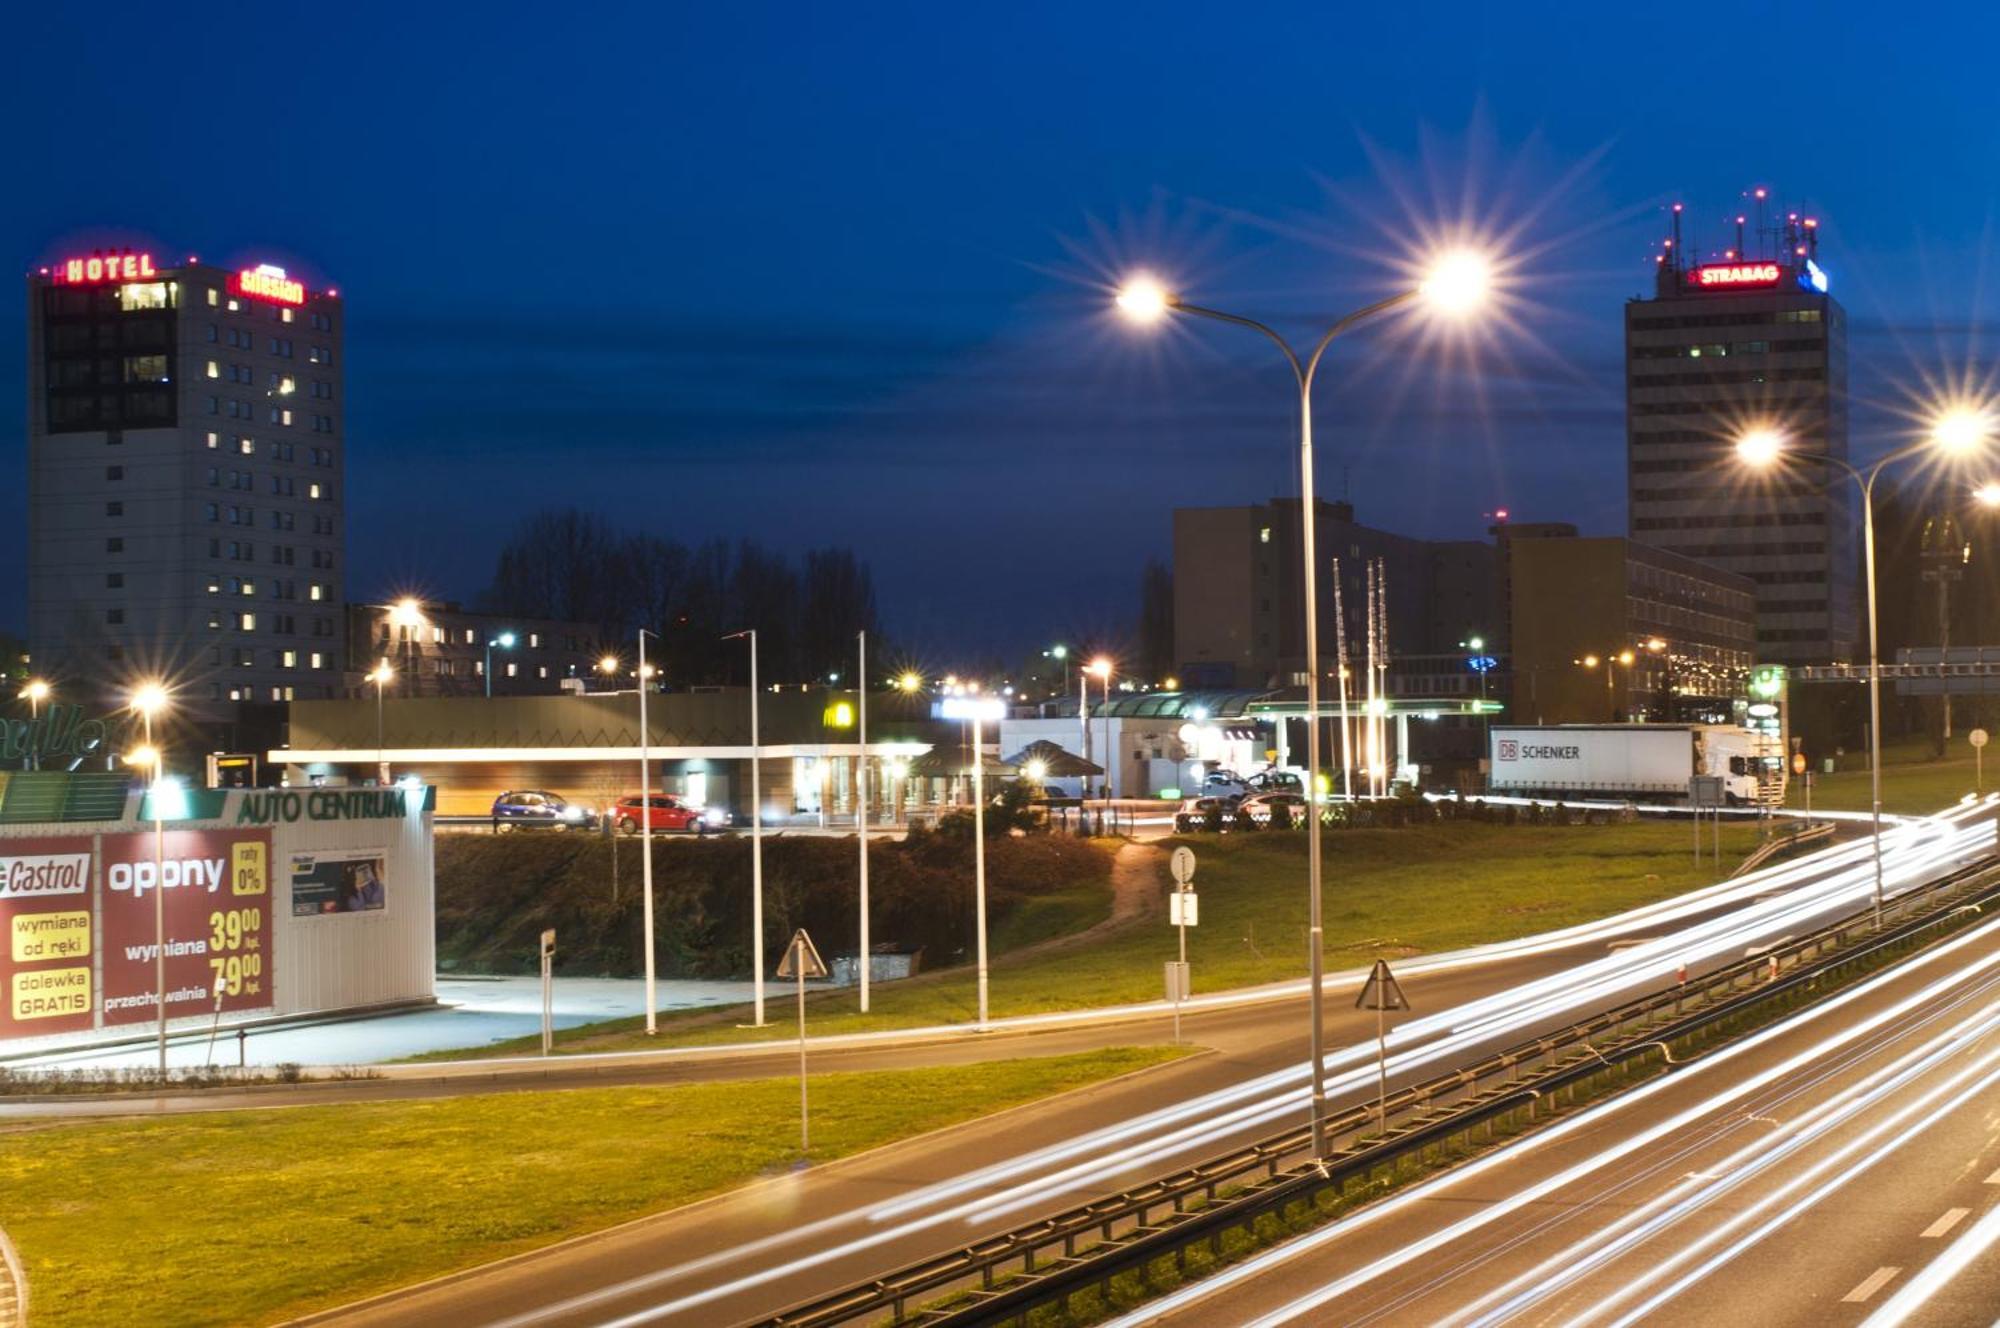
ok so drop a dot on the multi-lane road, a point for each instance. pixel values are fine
(1842, 1167)
(757, 1251)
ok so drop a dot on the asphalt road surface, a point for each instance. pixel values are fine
(1818, 1173)
(756, 1251)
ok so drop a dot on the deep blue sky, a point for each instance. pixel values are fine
(825, 274)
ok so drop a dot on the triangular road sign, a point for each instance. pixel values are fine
(1380, 992)
(801, 958)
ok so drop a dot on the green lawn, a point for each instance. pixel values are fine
(1912, 780)
(1388, 892)
(258, 1216)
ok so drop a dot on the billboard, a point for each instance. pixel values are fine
(45, 936)
(339, 881)
(214, 887)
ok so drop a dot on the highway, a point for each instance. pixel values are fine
(754, 1252)
(1839, 1168)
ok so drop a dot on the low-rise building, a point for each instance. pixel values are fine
(437, 648)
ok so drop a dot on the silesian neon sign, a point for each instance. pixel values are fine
(265, 282)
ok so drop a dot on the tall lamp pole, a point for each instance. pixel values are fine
(861, 805)
(1456, 284)
(380, 676)
(646, 830)
(1954, 432)
(506, 642)
(149, 699)
(37, 691)
(756, 837)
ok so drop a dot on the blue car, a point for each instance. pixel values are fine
(536, 809)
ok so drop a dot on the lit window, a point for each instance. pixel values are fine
(318, 591)
(291, 659)
(212, 299)
(247, 621)
(214, 370)
(249, 587)
(144, 295)
(513, 670)
(213, 440)
(1264, 535)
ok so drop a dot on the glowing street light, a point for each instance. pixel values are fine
(36, 691)
(909, 682)
(1987, 495)
(149, 699)
(381, 675)
(1957, 431)
(1456, 283)
(506, 642)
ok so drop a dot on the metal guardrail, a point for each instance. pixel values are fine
(1052, 1258)
(1782, 844)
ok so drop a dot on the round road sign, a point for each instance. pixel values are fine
(1181, 864)
(1977, 737)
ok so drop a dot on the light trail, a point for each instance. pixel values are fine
(1265, 1262)
(1973, 1242)
(1565, 1269)
(1818, 883)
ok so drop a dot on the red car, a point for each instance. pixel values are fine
(667, 813)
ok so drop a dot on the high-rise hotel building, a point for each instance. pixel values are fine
(184, 482)
(1748, 342)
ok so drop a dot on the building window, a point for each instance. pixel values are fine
(213, 370)
(116, 544)
(114, 509)
(247, 621)
(115, 617)
(114, 580)
(114, 472)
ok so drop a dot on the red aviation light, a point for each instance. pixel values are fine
(104, 267)
(1735, 276)
(265, 282)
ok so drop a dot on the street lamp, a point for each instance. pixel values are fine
(977, 709)
(1955, 431)
(1455, 285)
(610, 666)
(646, 833)
(506, 642)
(1060, 652)
(756, 835)
(381, 675)
(37, 691)
(408, 614)
(1100, 668)
(149, 699)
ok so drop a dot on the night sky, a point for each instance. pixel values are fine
(838, 274)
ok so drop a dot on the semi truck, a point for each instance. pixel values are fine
(1640, 762)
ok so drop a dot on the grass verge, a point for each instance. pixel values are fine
(1389, 892)
(1914, 781)
(256, 1217)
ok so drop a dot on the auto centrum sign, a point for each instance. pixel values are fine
(268, 808)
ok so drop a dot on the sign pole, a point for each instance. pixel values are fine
(1381, 993)
(1181, 865)
(802, 961)
(548, 986)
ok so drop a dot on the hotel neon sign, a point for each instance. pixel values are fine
(103, 267)
(1735, 276)
(265, 282)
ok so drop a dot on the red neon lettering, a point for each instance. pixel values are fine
(262, 285)
(118, 267)
(1738, 274)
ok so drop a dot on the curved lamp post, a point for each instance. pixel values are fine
(1457, 283)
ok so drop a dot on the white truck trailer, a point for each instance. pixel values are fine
(1640, 762)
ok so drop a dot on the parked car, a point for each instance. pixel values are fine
(1275, 780)
(1192, 815)
(668, 812)
(1259, 807)
(1222, 784)
(538, 809)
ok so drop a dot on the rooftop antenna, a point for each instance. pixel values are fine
(1679, 266)
(1762, 194)
(1740, 250)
